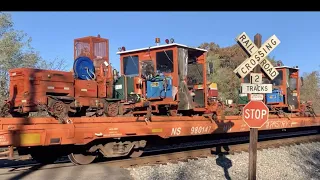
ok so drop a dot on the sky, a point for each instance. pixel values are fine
(53, 32)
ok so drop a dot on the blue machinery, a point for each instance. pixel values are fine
(159, 87)
(83, 68)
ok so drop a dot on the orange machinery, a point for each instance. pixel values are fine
(285, 96)
(163, 79)
(88, 90)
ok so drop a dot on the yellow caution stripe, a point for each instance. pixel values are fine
(157, 130)
(30, 138)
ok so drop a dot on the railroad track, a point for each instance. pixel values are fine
(209, 152)
(173, 157)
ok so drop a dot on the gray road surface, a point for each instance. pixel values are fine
(53, 172)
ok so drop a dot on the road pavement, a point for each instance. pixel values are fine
(64, 171)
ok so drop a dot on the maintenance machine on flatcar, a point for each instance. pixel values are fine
(86, 91)
(285, 94)
(163, 79)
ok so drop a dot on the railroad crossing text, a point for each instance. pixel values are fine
(257, 56)
(247, 43)
(256, 88)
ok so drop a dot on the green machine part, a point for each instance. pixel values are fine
(130, 85)
(243, 99)
(120, 87)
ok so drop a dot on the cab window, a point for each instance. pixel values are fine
(164, 61)
(278, 80)
(293, 80)
(130, 65)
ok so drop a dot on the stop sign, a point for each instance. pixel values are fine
(255, 114)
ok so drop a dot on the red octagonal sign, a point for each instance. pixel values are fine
(255, 114)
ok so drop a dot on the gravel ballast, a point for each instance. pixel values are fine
(298, 162)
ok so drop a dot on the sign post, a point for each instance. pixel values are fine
(255, 114)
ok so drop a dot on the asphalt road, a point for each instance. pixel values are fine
(64, 171)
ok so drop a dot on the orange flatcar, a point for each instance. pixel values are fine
(165, 79)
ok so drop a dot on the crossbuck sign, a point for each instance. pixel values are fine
(255, 113)
(257, 56)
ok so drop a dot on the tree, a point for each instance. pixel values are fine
(224, 61)
(310, 90)
(16, 51)
(227, 81)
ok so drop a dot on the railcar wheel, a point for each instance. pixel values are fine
(113, 109)
(81, 159)
(59, 110)
(110, 109)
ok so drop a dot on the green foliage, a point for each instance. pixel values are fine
(16, 51)
(310, 91)
(225, 60)
(227, 81)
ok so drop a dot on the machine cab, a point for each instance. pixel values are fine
(285, 90)
(92, 47)
(91, 55)
(171, 73)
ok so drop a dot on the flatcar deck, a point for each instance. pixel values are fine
(24, 132)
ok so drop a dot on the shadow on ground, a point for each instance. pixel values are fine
(311, 164)
(223, 161)
(25, 173)
(191, 170)
(7, 162)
